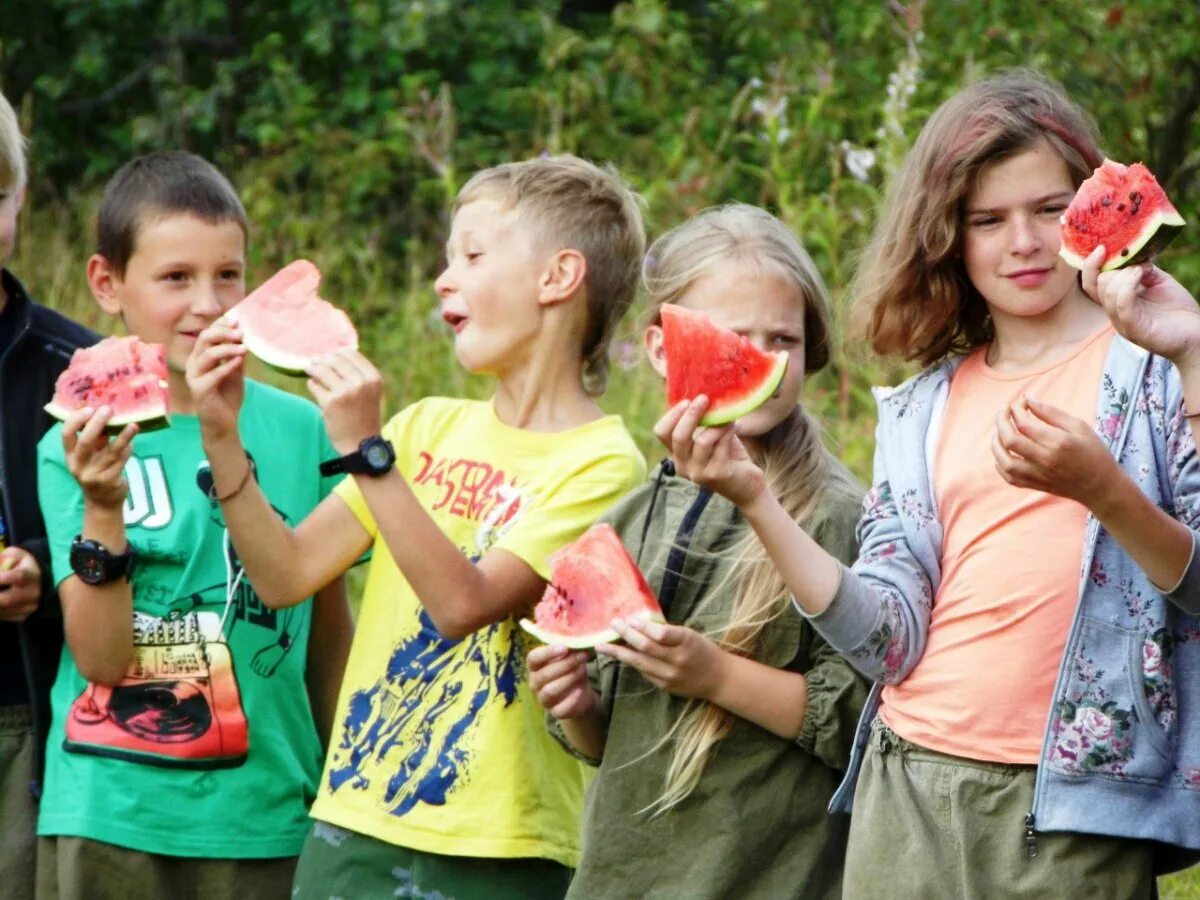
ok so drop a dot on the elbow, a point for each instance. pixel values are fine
(106, 672)
(453, 627)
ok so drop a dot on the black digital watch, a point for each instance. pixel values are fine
(374, 456)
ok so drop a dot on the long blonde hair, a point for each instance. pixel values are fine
(912, 294)
(798, 469)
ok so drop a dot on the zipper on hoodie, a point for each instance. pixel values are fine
(1091, 536)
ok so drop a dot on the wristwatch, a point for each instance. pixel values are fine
(96, 564)
(374, 456)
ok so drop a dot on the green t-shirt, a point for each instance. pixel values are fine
(207, 747)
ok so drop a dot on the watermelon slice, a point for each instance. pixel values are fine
(286, 325)
(704, 358)
(592, 582)
(119, 372)
(1123, 208)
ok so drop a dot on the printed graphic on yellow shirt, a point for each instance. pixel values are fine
(408, 738)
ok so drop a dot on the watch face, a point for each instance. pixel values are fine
(377, 456)
(89, 566)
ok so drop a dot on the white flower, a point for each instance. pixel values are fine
(859, 160)
(1151, 658)
(1094, 723)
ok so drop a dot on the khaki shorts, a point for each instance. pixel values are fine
(927, 825)
(18, 810)
(73, 868)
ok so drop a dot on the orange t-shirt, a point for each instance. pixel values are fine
(1010, 574)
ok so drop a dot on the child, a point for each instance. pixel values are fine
(35, 345)
(1026, 588)
(442, 779)
(183, 748)
(716, 785)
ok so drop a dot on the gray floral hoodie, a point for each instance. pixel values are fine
(1121, 753)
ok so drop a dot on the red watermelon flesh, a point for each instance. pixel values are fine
(121, 373)
(592, 581)
(286, 325)
(704, 358)
(1123, 208)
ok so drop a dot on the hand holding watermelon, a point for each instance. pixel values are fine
(94, 460)
(1148, 307)
(349, 390)
(559, 679)
(713, 457)
(678, 659)
(215, 375)
(20, 584)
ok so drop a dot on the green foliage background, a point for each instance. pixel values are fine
(348, 125)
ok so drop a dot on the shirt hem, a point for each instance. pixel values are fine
(195, 848)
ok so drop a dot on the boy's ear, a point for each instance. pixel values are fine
(562, 278)
(652, 340)
(103, 280)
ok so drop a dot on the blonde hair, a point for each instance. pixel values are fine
(912, 294)
(12, 149)
(573, 203)
(799, 471)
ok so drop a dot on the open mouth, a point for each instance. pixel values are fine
(454, 320)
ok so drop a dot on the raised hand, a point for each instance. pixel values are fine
(216, 376)
(349, 390)
(94, 460)
(559, 680)
(713, 457)
(1147, 306)
(20, 584)
(1041, 447)
(678, 659)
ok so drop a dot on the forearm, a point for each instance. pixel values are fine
(98, 619)
(810, 573)
(774, 699)
(267, 548)
(1159, 544)
(330, 636)
(587, 733)
(452, 589)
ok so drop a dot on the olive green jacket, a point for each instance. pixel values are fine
(756, 824)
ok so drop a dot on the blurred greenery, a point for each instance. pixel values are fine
(348, 125)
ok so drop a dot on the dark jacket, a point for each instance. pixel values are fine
(41, 347)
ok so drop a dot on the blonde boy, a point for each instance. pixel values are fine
(35, 346)
(443, 777)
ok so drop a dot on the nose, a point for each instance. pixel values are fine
(206, 299)
(444, 285)
(1026, 238)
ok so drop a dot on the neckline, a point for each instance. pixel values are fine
(1083, 347)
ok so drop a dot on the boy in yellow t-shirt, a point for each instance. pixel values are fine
(441, 776)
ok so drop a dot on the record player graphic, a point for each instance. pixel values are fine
(178, 706)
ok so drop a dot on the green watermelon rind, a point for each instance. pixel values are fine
(144, 421)
(587, 640)
(729, 411)
(1160, 229)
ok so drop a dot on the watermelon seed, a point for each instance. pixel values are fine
(1120, 207)
(1106, 200)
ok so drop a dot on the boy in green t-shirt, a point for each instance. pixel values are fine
(442, 779)
(183, 746)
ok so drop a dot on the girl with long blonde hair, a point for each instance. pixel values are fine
(720, 735)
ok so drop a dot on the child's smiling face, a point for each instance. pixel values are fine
(488, 292)
(184, 274)
(763, 306)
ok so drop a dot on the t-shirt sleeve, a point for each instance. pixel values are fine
(61, 501)
(562, 511)
(398, 430)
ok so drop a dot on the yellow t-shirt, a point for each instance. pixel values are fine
(442, 746)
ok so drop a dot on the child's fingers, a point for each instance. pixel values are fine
(121, 443)
(685, 429)
(1011, 441)
(555, 692)
(571, 704)
(639, 640)
(1045, 419)
(665, 426)
(569, 664)
(320, 393)
(1091, 272)
(92, 434)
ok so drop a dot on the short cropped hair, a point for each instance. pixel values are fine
(156, 185)
(12, 149)
(572, 203)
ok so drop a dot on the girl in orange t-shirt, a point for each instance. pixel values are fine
(1027, 585)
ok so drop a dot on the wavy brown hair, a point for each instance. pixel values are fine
(912, 296)
(798, 469)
